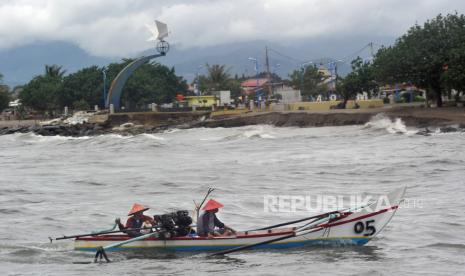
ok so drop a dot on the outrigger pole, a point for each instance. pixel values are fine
(345, 211)
(98, 233)
(294, 221)
(305, 229)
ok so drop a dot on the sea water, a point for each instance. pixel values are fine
(50, 186)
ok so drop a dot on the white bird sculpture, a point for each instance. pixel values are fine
(159, 31)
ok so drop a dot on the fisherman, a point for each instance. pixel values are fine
(208, 221)
(136, 220)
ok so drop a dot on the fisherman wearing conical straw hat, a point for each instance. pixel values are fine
(136, 220)
(208, 221)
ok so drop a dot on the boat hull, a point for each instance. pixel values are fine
(351, 228)
(211, 246)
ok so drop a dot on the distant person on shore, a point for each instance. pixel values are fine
(137, 219)
(208, 221)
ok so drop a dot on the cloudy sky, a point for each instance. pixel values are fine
(111, 28)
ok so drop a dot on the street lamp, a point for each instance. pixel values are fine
(104, 73)
(255, 61)
(275, 68)
(197, 82)
(335, 62)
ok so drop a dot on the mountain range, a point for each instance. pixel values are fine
(21, 64)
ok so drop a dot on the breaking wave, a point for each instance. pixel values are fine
(32, 137)
(254, 132)
(257, 133)
(382, 122)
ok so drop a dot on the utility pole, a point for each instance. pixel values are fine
(372, 52)
(335, 80)
(104, 73)
(268, 75)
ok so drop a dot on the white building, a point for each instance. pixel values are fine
(223, 96)
(288, 95)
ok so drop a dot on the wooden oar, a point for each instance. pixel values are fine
(101, 250)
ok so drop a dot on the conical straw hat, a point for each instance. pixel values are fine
(137, 208)
(212, 204)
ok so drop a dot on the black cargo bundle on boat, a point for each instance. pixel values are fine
(177, 224)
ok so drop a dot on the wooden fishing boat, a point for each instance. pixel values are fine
(345, 227)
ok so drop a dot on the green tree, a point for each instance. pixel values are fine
(361, 79)
(218, 77)
(348, 87)
(453, 76)
(150, 83)
(365, 75)
(429, 56)
(234, 85)
(309, 81)
(4, 95)
(83, 89)
(203, 83)
(41, 93)
(54, 71)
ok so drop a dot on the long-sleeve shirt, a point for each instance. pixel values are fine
(207, 223)
(133, 222)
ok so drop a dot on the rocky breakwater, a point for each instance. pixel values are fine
(90, 124)
(79, 124)
(51, 130)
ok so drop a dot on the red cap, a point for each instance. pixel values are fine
(136, 208)
(212, 204)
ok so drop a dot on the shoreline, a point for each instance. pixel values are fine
(412, 116)
(446, 118)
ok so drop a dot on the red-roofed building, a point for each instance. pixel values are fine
(251, 85)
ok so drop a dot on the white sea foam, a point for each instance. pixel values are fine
(258, 132)
(382, 122)
(39, 138)
(152, 136)
(172, 130)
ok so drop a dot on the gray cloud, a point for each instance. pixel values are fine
(117, 28)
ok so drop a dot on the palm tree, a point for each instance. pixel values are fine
(54, 71)
(218, 77)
